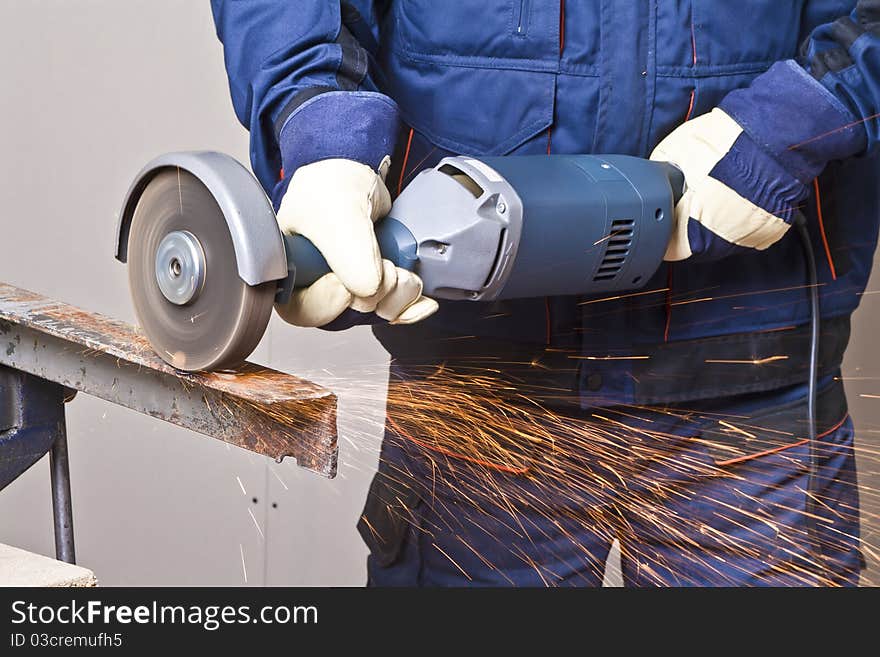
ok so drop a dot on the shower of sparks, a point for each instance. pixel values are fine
(256, 524)
(497, 458)
(842, 128)
(454, 563)
(624, 296)
(611, 235)
(737, 429)
(243, 566)
(753, 361)
(743, 294)
(280, 480)
(179, 190)
(577, 357)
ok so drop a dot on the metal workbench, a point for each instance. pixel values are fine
(50, 350)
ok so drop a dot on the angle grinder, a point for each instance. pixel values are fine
(207, 261)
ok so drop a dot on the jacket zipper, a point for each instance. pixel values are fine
(522, 21)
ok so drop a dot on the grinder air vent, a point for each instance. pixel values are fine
(616, 249)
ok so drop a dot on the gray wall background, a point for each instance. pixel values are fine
(90, 90)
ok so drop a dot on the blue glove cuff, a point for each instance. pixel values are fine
(796, 120)
(354, 125)
(753, 174)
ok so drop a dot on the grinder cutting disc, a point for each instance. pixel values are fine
(193, 307)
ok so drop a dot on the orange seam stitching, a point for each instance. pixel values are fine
(405, 160)
(782, 448)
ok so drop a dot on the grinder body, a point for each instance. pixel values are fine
(207, 261)
(523, 226)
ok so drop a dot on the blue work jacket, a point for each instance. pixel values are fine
(499, 77)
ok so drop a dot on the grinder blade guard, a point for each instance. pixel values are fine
(204, 257)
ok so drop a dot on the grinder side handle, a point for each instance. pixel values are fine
(676, 181)
(306, 264)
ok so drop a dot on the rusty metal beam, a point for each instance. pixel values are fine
(253, 407)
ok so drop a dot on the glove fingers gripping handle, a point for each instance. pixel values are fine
(305, 264)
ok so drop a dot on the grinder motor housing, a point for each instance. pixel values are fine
(524, 226)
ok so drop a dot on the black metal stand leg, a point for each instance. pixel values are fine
(31, 424)
(62, 508)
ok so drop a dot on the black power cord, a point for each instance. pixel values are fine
(800, 223)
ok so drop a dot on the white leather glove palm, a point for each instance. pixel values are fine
(334, 204)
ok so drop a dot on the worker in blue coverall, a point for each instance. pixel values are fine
(672, 420)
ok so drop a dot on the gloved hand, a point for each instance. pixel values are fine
(736, 196)
(334, 202)
(748, 164)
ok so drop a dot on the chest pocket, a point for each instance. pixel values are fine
(500, 32)
(716, 37)
(731, 35)
(711, 47)
(474, 76)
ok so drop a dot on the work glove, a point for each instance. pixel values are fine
(749, 163)
(334, 203)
